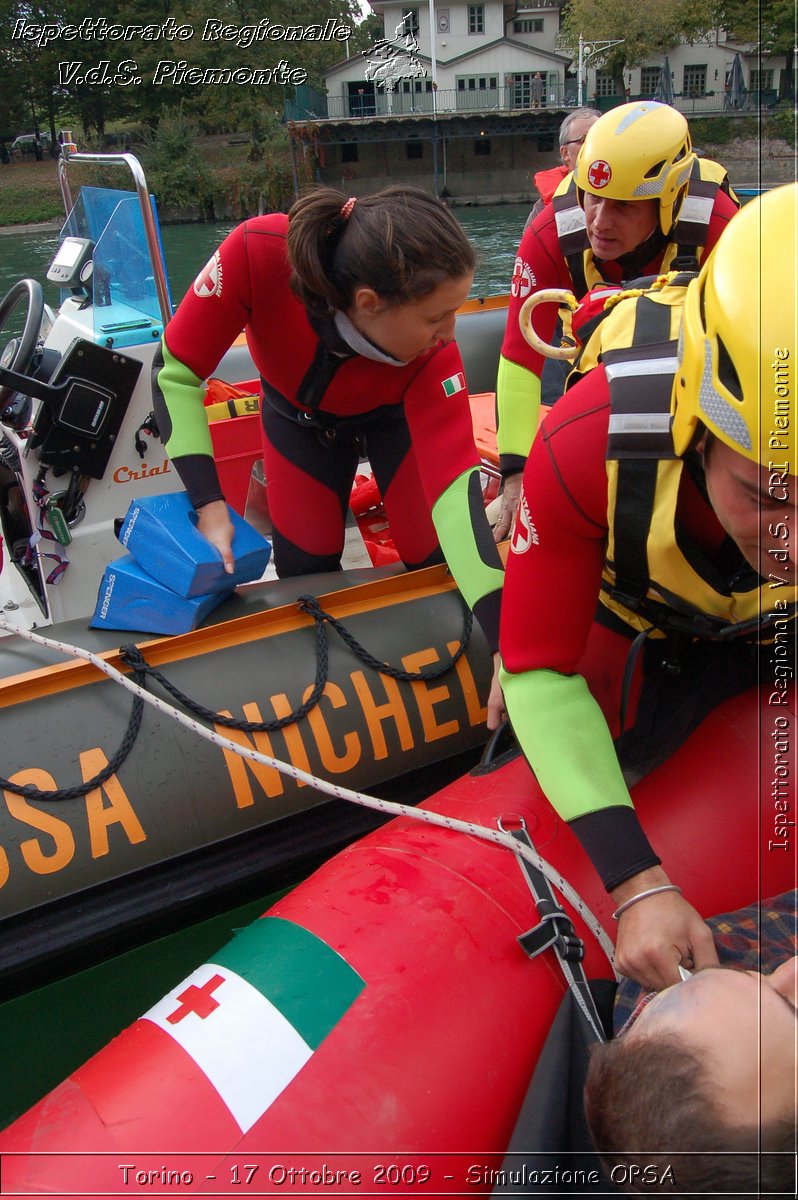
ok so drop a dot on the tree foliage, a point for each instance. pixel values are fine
(14, 108)
(53, 85)
(648, 28)
(768, 25)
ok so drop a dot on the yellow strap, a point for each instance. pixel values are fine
(242, 406)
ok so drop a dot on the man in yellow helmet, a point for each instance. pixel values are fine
(663, 485)
(639, 200)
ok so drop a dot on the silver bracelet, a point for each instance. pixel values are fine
(665, 887)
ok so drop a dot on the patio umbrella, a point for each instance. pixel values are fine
(735, 87)
(664, 92)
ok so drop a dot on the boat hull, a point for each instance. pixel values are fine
(180, 800)
(425, 1064)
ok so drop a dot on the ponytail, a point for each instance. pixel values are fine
(402, 242)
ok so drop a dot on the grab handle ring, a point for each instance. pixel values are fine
(557, 296)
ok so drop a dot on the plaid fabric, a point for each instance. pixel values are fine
(757, 938)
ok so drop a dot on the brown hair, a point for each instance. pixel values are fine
(402, 242)
(648, 1102)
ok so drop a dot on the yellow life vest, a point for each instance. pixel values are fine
(655, 578)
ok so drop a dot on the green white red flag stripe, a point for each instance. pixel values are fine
(253, 1017)
(455, 383)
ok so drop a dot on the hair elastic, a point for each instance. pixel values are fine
(346, 208)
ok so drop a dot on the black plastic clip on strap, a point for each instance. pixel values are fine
(555, 929)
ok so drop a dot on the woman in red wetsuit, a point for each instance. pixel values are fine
(349, 307)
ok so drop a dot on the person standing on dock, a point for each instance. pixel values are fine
(536, 90)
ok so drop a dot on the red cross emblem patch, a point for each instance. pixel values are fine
(599, 173)
(209, 280)
(524, 534)
(523, 279)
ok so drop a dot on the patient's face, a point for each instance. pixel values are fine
(743, 1025)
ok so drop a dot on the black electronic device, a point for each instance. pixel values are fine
(85, 402)
(72, 265)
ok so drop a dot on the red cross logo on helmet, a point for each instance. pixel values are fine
(599, 173)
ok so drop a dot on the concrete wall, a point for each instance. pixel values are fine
(504, 174)
(750, 161)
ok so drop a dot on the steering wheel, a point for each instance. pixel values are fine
(18, 353)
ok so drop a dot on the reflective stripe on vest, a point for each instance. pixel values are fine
(653, 576)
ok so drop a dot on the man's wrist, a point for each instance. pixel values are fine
(511, 465)
(652, 877)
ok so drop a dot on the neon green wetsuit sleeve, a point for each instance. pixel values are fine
(181, 415)
(177, 401)
(517, 410)
(470, 550)
(565, 738)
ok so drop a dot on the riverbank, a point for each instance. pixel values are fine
(37, 227)
(30, 196)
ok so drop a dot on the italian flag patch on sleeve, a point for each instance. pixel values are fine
(455, 383)
(253, 1017)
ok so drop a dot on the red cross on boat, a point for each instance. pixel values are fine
(197, 1000)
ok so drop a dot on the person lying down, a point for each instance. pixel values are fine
(701, 1077)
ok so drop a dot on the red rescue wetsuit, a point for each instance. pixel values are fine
(547, 183)
(321, 399)
(564, 659)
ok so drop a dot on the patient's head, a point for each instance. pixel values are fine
(706, 1065)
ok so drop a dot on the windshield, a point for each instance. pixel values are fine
(125, 299)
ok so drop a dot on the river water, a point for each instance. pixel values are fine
(494, 229)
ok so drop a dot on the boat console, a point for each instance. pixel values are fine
(75, 399)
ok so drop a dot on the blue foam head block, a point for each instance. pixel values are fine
(129, 598)
(162, 535)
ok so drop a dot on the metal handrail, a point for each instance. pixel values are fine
(148, 216)
(503, 99)
(444, 102)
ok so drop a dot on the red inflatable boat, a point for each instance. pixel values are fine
(376, 1030)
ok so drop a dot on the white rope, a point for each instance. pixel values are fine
(392, 808)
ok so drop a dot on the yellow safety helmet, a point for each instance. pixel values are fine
(737, 347)
(638, 151)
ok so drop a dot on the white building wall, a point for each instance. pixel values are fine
(451, 32)
(710, 58)
(500, 60)
(461, 55)
(546, 38)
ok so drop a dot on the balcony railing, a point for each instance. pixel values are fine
(515, 98)
(399, 103)
(720, 102)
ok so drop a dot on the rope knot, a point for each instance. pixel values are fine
(310, 606)
(132, 657)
